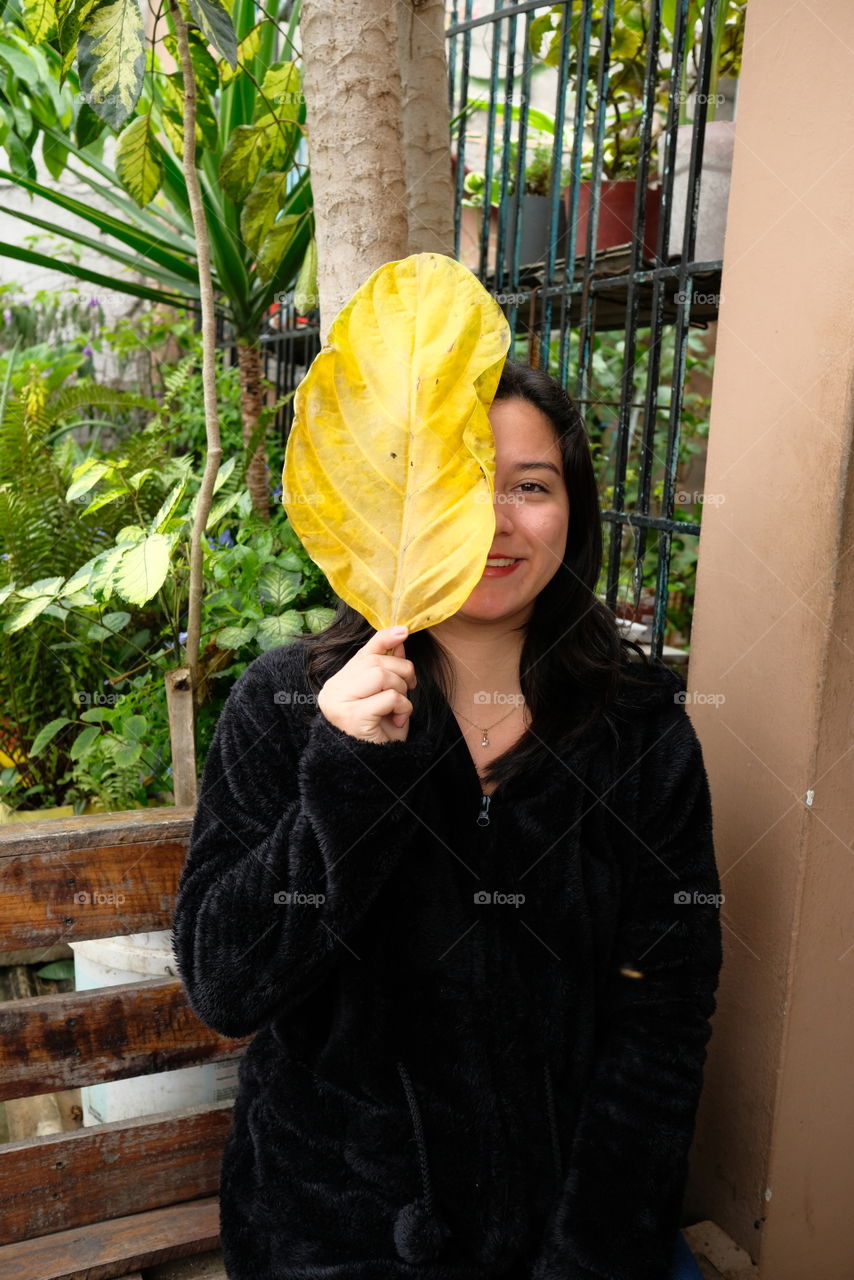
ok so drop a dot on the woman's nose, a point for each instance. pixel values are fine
(503, 516)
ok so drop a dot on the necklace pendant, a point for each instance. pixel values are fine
(484, 740)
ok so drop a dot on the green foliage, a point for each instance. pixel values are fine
(624, 87)
(250, 123)
(93, 594)
(603, 394)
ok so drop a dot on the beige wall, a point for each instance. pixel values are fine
(774, 633)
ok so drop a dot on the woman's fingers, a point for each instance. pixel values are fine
(371, 687)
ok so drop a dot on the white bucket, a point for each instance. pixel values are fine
(107, 962)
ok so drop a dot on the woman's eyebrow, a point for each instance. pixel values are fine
(532, 466)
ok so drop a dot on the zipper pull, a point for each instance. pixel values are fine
(483, 816)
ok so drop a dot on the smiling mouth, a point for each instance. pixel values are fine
(496, 562)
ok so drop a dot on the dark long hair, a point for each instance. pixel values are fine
(573, 656)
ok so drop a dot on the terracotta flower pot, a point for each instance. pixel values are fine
(616, 215)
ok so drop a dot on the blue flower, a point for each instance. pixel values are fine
(87, 351)
(182, 637)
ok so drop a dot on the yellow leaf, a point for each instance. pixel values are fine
(389, 470)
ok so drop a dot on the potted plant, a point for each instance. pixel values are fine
(535, 205)
(623, 110)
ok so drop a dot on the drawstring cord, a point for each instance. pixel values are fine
(419, 1232)
(418, 1126)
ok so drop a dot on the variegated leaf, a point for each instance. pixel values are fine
(139, 160)
(214, 22)
(38, 17)
(241, 161)
(275, 244)
(260, 209)
(111, 59)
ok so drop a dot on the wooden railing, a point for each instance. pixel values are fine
(102, 1201)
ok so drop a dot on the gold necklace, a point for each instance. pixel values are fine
(485, 732)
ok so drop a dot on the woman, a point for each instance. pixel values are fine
(463, 890)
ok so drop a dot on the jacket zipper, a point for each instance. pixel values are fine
(483, 815)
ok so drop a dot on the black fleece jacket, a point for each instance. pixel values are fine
(481, 1023)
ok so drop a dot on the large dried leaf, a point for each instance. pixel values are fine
(389, 470)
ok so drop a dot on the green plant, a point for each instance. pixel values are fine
(42, 538)
(624, 87)
(538, 177)
(122, 613)
(602, 394)
(250, 117)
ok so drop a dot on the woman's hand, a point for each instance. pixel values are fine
(367, 697)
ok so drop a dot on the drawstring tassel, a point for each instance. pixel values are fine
(550, 1104)
(419, 1233)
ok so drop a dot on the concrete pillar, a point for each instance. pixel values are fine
(773, 633)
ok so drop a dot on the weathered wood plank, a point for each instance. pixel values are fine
(96, 876)
(76, 1038)
(108, 1251)
(89, 830)
(71, 1180)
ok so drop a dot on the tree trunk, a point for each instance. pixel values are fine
(251, 403)
(426, 126)
(374, 203)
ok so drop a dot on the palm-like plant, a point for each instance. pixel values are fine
(256, 195)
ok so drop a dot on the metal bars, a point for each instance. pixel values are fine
(562, 301)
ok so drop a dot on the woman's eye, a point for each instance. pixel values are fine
(537, 487)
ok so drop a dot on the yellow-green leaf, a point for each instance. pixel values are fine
(174, 132)
(305, 289)
(281, 91)
(139, 162)
(282, 138)
(389, 470)
(246, 51)
(143, 569)
(259, 211)
(275, 245)
(242, 160)
(38, 18)
(111, 59)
